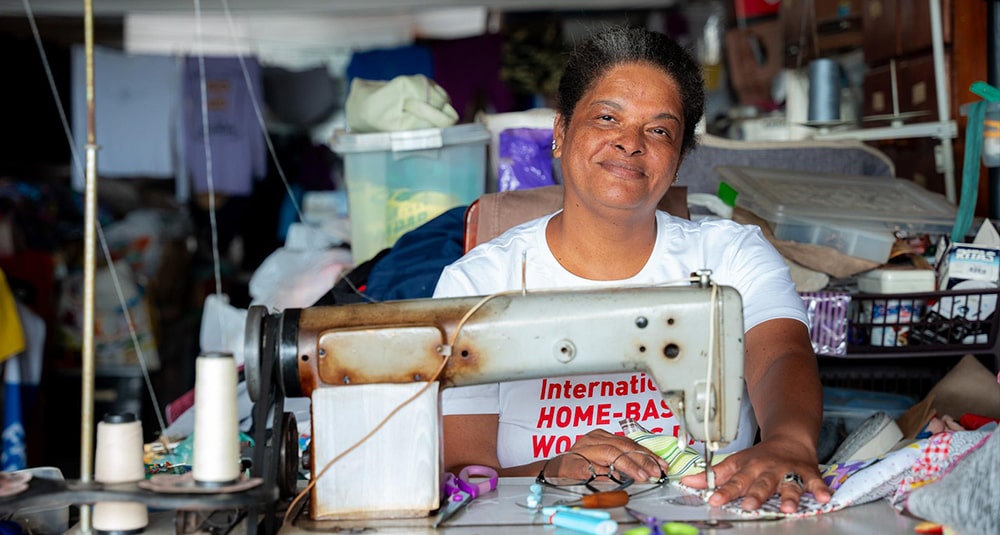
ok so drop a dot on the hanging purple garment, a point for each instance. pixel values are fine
(469, 70)
(238, 152)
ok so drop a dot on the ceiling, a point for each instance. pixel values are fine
(298, 7)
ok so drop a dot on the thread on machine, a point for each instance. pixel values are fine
(824, 90)
(216, 426)
(119, 460)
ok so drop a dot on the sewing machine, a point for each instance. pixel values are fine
(357, 362)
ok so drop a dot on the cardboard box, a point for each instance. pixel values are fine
(970, 265)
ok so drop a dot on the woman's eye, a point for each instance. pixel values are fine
(606, 118)
(661, 132)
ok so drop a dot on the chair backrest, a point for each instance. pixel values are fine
(493, 213)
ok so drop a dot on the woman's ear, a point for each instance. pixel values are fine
(558, 135)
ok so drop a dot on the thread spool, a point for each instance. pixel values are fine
(824, 91)
(119, 460)
(216, 453)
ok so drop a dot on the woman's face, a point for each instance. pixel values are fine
(622, 147)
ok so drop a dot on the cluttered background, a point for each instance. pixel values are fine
(348, 146)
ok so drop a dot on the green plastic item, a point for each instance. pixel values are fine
(970, 163)
(668, 528)
(727, 194)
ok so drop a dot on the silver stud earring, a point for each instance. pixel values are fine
(554, 145)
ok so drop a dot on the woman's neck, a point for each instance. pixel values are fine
(601, 249)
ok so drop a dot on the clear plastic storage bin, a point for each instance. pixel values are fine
(870, 244)
(857, 215)
(397, 181)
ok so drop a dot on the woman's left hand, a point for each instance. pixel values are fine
(756, 473)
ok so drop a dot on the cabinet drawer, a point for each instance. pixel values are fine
(878, 19)
(917, 90)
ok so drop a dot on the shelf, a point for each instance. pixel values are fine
(939, 130)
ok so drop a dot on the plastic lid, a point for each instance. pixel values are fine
(344, 142)
(780, 195)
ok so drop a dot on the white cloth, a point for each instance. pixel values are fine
(542, 418)
(137, 101)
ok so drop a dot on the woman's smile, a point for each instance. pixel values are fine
(623, 170)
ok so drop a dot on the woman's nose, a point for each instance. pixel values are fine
(630, 142)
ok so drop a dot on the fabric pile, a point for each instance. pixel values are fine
(951, 478)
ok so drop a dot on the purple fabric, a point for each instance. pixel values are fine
(469, 70)
(827, 321)
(524, 158)
(237, 143)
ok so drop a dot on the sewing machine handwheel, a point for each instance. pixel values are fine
(288, 467)
(253, 341)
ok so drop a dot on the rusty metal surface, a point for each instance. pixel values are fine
(661, 330)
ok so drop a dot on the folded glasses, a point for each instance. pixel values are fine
(615, 478)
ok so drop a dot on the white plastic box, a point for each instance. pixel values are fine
(894, 281)
(397, 181)
(856, 215)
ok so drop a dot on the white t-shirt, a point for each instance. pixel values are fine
(540, 418)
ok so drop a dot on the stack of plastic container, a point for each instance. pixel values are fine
(856, 215)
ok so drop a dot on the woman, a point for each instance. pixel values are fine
(628, 104)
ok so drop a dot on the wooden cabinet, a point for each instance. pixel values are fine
(905, 88)
(818, 28)
(897, 46)
(899, 28)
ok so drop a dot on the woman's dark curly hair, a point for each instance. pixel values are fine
(621, 44)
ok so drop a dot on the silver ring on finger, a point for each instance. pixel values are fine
(794, 477)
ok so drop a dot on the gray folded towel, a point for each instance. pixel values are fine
(874, 437)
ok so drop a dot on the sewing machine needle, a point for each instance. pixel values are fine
(709, 471)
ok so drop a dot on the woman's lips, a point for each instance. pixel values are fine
(623, 170)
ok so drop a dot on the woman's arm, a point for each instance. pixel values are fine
(472, 439)
(787, 397)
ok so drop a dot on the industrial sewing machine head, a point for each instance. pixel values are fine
(358, 363)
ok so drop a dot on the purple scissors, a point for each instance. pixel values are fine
(461, 490)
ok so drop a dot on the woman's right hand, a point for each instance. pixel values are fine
(602, 448)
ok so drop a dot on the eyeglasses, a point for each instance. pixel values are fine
(616, 476)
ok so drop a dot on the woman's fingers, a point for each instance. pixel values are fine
(756, 478)
(605, 450)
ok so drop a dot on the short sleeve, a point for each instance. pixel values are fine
(474, 399)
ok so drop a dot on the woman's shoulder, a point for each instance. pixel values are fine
(508, 245)
(489, 266)
(512, 240)
(707, 225)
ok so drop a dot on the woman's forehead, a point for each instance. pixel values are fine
(627, 83)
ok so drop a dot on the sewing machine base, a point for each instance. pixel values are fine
(499, 514)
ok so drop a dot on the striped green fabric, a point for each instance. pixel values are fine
(682, 461)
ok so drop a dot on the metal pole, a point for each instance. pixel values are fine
(993, 77)
(943, 104)
(89, 264)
